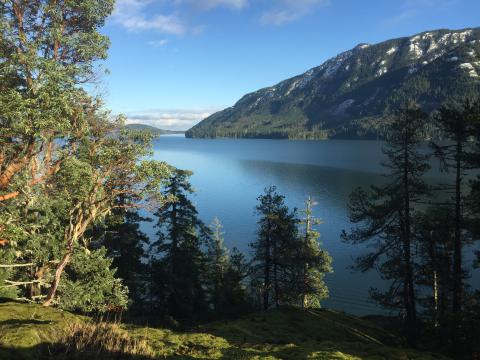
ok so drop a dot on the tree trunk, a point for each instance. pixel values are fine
(433, 259)
(457, 253)
(457, 256)
(58, 274)
(408, 288)
(266, 289)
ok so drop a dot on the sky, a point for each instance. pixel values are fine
(174, 62)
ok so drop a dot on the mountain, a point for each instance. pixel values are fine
(30, 331)
(152, 129)
(350, 95)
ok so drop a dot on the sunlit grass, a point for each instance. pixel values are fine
(32, 332)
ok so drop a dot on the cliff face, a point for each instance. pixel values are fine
(350, 94)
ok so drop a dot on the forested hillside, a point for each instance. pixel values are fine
(353, 94)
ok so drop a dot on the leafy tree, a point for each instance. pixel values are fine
(48, 224)
(49, 49)
(179, 263)
(385, 215)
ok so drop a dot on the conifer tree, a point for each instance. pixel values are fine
(226, 273)
(179, 264)
(217, 264)
(456, 123)
(313, 262)
(384, 216)
(277, 231)
(126, 244)
(434, 229)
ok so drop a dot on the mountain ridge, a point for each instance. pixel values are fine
(350, 95)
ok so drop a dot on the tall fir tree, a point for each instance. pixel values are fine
(179, 263)
(385, 215)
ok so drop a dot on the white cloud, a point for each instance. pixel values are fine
(140, 15)
(131, 14)
(211, 4)
(290, 10)
(158, 43)
(169, 119)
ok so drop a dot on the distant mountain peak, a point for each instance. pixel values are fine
(350, 94)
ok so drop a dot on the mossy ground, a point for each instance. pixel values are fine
(31, 331)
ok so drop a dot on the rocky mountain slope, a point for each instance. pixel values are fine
(350, 95)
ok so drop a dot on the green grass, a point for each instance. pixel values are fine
(31, 332)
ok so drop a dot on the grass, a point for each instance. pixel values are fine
(33, 332)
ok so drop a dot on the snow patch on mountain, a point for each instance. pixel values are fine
(391, 50)
(470, 69)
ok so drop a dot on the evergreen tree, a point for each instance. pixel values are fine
(385, 214)
(312, 262)
(457, 124)
(126, 244)
(226, 273)
(434, 229)
(217, 265)
(277, 231)
(179, 263)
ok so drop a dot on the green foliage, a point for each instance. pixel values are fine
(312, 262)
(288, 266)
(90, 284)
(225, 274)
(126, 245)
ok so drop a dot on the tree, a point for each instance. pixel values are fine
(179, 263)
(456, 123)
(49, 49)
(217, 264)
(277, 231)
(385, 214)
(225, 275)
(434, 229)
(312, 262)
(126, 245)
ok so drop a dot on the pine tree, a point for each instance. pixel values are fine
(385, 214)
(456, 121)
(313, 262)
(217, 264)
(225, 276)
(126, 244)
(277, 231)
(434, 230)
(179, 263)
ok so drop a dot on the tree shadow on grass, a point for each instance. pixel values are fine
(21, 322)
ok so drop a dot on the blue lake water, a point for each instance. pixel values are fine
(230, 174)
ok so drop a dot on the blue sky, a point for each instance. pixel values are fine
(174, 62)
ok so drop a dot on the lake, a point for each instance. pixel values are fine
(229, 175)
